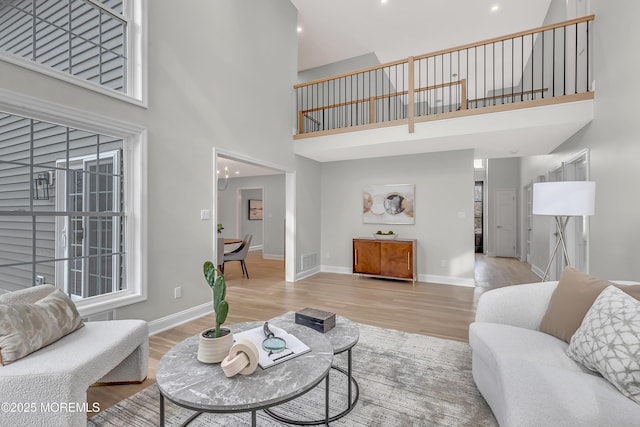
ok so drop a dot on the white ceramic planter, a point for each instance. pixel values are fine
(214, 350)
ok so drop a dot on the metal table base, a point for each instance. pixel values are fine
(353, 393)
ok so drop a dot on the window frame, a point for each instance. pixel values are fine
(136, 76)
(63, 222)
(134, 154)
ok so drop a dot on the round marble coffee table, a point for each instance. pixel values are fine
(343, 337)
(185, 381)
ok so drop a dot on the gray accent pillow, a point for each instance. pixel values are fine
(25, 328)
(608, 341)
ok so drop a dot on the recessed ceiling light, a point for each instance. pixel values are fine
(383, 1)
(237, 172)
(299, 29)
(495, 8)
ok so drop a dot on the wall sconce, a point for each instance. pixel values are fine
(41, 185)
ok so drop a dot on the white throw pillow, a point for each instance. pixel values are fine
(608, 341)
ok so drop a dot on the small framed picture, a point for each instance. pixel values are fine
(255, 209)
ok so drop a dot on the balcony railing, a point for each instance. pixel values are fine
(548, 64)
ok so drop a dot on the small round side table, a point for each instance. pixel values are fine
(343, 337)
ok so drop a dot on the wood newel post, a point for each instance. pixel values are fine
(411, 100)
(463, 94)
(300, 122)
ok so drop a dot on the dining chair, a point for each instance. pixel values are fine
(220, 254)
(240, 254)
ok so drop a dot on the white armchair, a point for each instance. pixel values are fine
(53, 381)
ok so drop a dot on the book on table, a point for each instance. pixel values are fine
(294, 346)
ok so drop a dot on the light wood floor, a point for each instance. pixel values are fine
(430, 309)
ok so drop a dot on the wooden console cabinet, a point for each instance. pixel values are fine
(393, 259)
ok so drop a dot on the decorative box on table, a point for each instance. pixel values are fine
(321, 321)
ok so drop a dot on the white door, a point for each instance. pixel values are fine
(557, 264)
(577, 236)
(505, 217)
(527, 223)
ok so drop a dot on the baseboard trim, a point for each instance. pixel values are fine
(175, 319)
(447, 280)
(307, 273)
(276, 257)
(334, 269)
(537, 271)
(431, 278)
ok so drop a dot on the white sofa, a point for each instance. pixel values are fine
(526, 376)
(49, 387)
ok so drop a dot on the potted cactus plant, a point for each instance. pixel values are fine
(215, 343)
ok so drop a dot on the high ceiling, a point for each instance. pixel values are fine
(335, 30)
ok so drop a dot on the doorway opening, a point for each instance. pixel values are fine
(478, 216)
(241, 181)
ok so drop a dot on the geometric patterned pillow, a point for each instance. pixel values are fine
(608, 341)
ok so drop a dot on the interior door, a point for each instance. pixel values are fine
(505, 220)
(557, 265)
(577, 232)
(527, 224)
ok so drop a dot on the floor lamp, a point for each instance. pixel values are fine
(563, 200)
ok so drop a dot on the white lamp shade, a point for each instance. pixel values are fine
(566, 198)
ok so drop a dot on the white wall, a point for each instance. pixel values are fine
(340, 67)
(443, 192)
(308, 213)
(613, 142)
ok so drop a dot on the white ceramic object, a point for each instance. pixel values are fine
(214, 350)
(385, 236)
(242, 359)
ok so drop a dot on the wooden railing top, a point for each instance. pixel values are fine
(451, 50)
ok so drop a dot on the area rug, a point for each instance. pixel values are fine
(404, 379)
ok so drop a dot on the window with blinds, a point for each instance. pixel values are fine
(87, 39)
(62, 216)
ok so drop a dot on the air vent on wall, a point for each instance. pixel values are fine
(308, 261)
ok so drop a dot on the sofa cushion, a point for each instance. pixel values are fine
(25, 328)
(608, 341)
(505, 342)
(528, 380)
(571, 300)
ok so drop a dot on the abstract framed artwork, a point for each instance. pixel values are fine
(255, 209)
(388, 204)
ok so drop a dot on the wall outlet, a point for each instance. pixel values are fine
(177, 292)
(39, 280)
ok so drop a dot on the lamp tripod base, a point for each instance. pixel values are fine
(561, 225)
